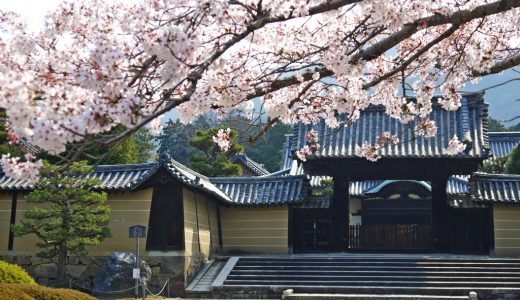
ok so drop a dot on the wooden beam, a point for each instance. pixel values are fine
(340, 213)
(391, 168)
(14, 201)
(441, 216)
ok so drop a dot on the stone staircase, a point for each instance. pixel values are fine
(373, 276)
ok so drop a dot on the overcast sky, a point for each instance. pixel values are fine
(502, 100)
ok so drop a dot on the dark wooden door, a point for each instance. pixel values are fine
(166, 224)
(471, 230)
(313, 230)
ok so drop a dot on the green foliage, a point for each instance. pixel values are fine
(326, 187)
(213, 161)
(175, 137)
(513, 165)
(5, 147)
(11, 273)
(123, 153)
(36, 292)
(145, 147)
(269, 149)
(515, 127)
(495, 166)
(69, 215)
(495, 126)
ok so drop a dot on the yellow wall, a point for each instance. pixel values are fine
(200, 238)
(129, 208)
(5, 220)
(196, 204)
(25, 244)
(255, 230)
(506, 220)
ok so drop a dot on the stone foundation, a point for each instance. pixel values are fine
(83, 271)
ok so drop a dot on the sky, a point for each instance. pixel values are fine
(504, 101)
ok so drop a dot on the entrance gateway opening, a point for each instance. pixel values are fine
(391, 216)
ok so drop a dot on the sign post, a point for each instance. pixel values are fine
(137, 231)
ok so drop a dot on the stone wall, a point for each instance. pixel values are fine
(83, 271)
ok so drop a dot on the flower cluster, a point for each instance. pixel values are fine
(370, 152)
(223, 139)
(28, 170)
(425, 127)
(387, 138)
(454, 147)
(96, 64)
(303, 153)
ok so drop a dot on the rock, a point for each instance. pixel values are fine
(115, 273)
(92, 271)
(172, 264)
(75, 271)
(22, 260)
(73, 260)
(153, 261)
(46, 270)
(85, 260)
(35, 260)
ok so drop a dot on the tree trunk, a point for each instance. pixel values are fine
(62, 261)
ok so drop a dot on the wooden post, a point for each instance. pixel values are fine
(441, 216)
(340, 214)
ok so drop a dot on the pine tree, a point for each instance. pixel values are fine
(175, 137)
(69, 214)
(145, 147)
(513, 165)
(213, 161)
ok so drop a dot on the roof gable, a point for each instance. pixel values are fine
(470, 119)
(502, 143)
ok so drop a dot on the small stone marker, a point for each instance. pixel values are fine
(136, 273)
(473, 295)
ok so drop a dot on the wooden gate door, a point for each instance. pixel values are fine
(402, 237)
(166, 224)
(314, 229)
(471, 229)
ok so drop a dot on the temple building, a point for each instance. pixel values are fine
(414, 199)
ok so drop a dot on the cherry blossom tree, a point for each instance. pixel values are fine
(96, 64)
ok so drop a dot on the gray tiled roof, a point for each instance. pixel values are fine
(502, 143)
(120, 177)
(131, 176)
(470, 118)
(503, 188)
(255, 168)
(259, 191)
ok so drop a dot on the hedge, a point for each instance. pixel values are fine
(10, 273)
(15, 291)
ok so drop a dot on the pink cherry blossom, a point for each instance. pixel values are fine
(454, 147)
(223, 139)
(95, 64)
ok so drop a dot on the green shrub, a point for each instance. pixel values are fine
(10, 273)
(36, 292)
(513, 165)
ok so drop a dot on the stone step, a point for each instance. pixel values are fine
(368, 297)
(417, 273)
(381, 268)
(392, 277)
(379, 259)
(374, 263)
(332, 282)
(277, 290)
